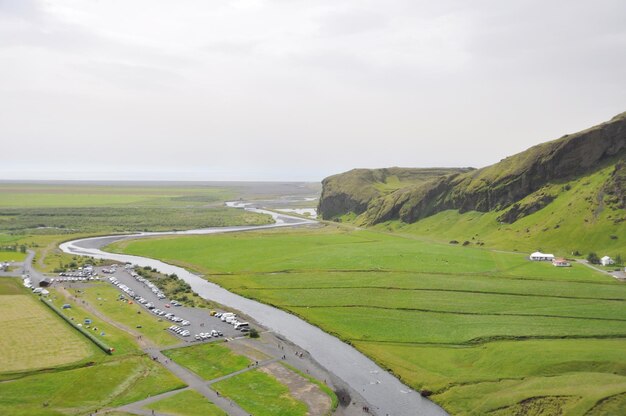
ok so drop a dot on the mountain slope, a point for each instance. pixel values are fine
(579, 218)
(351, 192)
(526, 199)
(504, 183)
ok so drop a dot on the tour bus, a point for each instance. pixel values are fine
(241, 325)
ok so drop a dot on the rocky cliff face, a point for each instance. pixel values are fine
(352, 191)
(497, 186)
(615, 187)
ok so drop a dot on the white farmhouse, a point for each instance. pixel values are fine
(606, 261)
(539, 256)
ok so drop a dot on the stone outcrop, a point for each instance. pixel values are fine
(352, 191)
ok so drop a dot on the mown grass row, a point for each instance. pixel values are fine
(104, 347)
(94, 382)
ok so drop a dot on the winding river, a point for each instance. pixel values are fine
(385, 393)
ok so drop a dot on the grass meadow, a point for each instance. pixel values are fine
(46, 195)
(105, 298)
(43, 215)
(34, 338)
(11, 256)
(209, 361)
(82, 390)
(49, 368)
(186, 403)
(260, 394)
(480, 331)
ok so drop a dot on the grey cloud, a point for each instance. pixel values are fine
(350, 22)
(264, 88)
(231, 47)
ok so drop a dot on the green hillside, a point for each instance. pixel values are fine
(350, 192)
(565, 195)
(581, 218)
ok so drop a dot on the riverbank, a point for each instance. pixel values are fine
(384, 393)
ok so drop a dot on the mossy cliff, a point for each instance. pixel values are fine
(420, 193)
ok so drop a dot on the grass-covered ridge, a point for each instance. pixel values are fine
(481, 330)
(350, 192)
(564, 195)
(579, 218)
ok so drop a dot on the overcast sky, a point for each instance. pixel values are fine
(295, 89)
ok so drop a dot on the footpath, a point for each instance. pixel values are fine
(274, 347)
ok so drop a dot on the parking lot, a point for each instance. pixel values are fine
(190, 321)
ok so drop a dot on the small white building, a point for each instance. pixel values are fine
(606, 261)
(561, 263)
(539, 256)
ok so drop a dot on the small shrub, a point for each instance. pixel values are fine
(253, 333)
(454, 242)
(593, 258)
(466, 243)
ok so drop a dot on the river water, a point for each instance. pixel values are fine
(386, 394)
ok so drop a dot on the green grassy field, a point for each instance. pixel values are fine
(187, 403)
(260, 394)
(44, 215)
(31, 333)
(71, 208)
(105, 298)
(123, 343)
(209, 361)
(83, 390)
(49, 368)
(484, 331)
(98, 194)
(113, 219)
(12, 256)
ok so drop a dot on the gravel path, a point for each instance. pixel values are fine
(192, 380)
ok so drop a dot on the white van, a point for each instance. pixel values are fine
(240, 325)
(227, 315)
